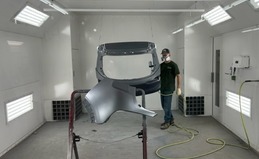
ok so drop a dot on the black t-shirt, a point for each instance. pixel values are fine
(167, 76)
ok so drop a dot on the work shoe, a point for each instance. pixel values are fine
(162, 124)
(165, 126)
(172, 123)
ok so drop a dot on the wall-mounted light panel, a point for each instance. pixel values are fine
(18, 107)
(31, 16)
(232, 101)
(216, 15)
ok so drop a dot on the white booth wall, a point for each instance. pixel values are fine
(57, 73)
(75, 45)
(198, 64)
(20, 75)
(65, 59)
(231, 45)
(200, 43)
(42, 66)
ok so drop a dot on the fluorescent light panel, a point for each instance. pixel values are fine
(194, 23)
(224, 10)
(55, 6)
(236, 3)
(14, 43)
(216, 16)
(255, 3)
(31, 16)
(251, 29)
(177, 31)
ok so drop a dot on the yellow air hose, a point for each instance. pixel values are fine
(213, 141)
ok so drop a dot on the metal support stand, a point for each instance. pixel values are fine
(144, 125)
(76, 138)
(73, 138)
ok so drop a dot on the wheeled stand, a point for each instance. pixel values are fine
(73, 138)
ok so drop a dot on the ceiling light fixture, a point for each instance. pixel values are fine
(194, 23)
(225, 8)
(234, 4)
(216, 15)
(55, 6)
(177, 31)
(255, 28)
(132, 10)
(14, 43)
(255, 3)
(31, 16)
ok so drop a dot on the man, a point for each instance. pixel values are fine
(169, 71)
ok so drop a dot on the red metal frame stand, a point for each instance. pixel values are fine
(73, 138)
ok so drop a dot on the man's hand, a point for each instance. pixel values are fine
(178, 91)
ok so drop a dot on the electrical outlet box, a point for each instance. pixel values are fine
(241, 62)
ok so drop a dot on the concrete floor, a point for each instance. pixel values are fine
(50, 141)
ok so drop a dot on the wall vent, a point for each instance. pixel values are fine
(195, 105)
(181, 103)
(61, 109)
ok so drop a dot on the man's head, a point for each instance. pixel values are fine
(165, 51)
(165, 54)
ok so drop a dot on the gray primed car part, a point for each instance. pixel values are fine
(150, 83)
(109, 96)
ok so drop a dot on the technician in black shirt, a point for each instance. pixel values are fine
(169, 71)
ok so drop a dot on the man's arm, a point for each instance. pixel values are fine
(178, 79)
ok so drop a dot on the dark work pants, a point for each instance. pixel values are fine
(166, 102)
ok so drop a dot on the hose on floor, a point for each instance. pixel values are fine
(213, 141)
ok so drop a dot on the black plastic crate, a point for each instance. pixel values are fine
(61, 109)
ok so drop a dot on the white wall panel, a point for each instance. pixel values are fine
(231, 45)
(198, 64)
(56, 61)
(75, 40)
(20, 74)
(17, 69)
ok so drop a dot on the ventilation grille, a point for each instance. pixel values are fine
(195, 105)
(181, 103)
(78, 107)
(61, 109)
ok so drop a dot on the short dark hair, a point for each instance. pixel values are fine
(165, 50)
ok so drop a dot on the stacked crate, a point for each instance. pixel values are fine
(181, 103)
(61, 109)
(195, 105)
